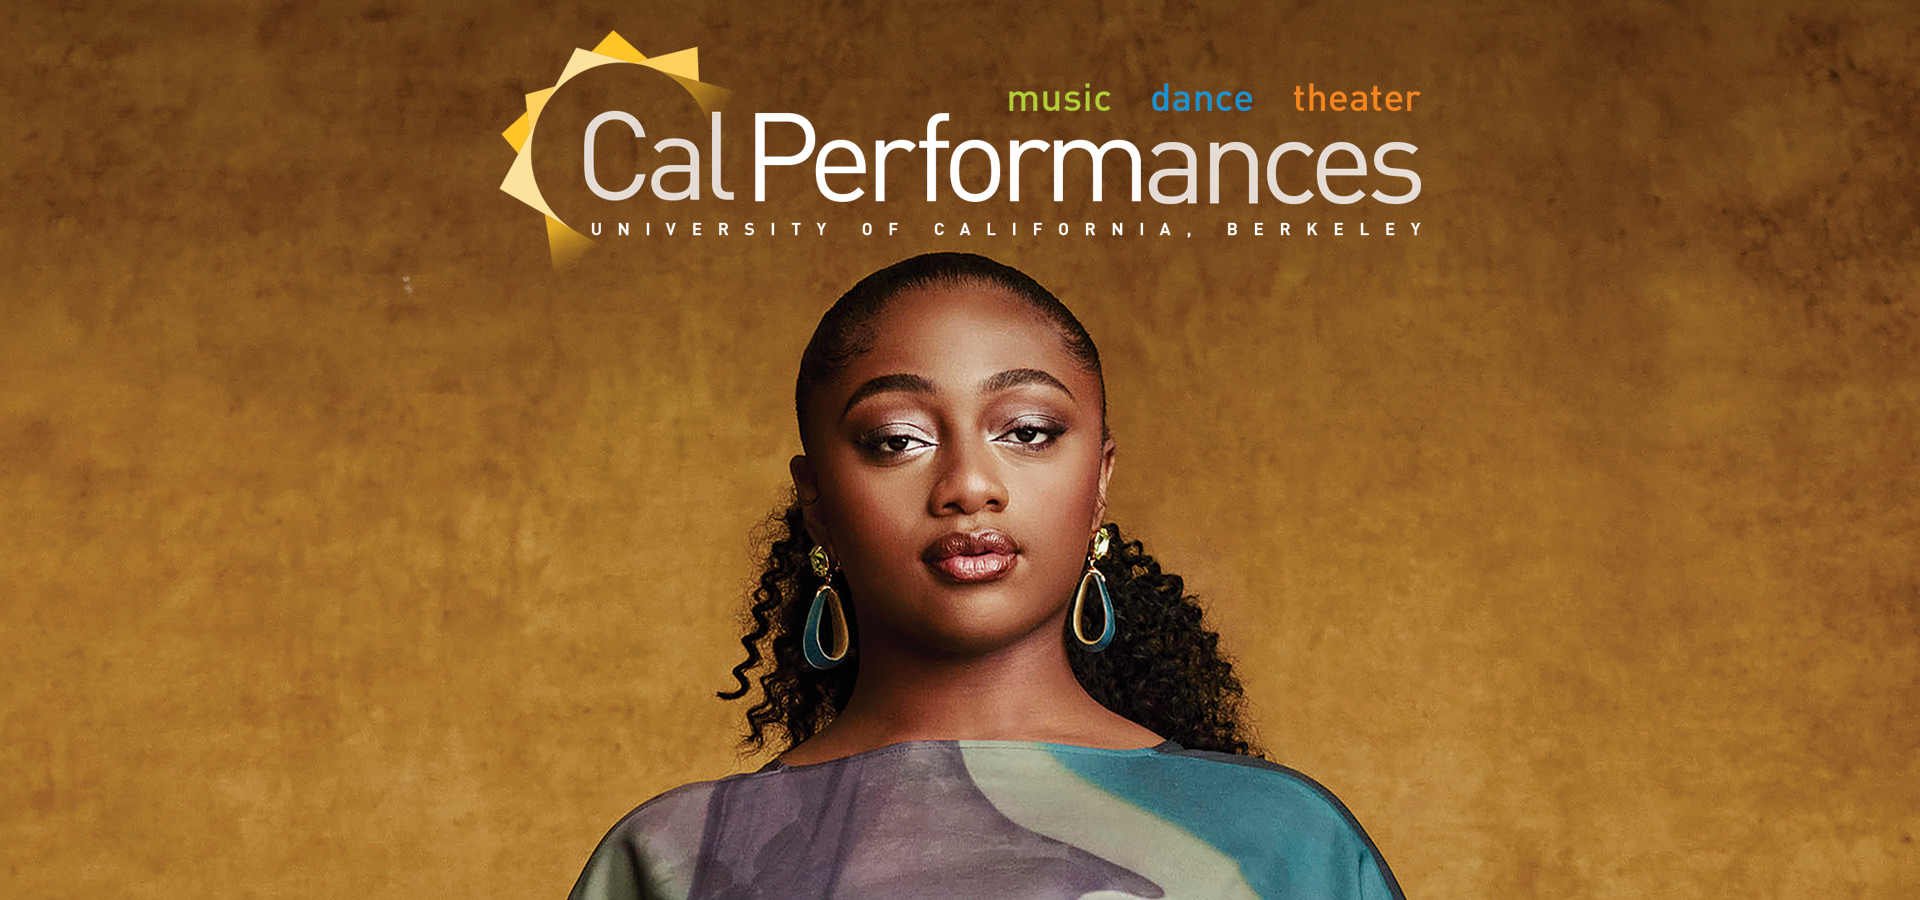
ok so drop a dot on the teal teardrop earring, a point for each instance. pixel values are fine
(1095, 583)
(825, 654)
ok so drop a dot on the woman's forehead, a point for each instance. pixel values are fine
(959, 327)
(959, 339)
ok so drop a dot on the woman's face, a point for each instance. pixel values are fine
(956, 471)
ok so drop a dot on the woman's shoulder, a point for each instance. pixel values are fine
(671, 810)
(650, 851)
(1296, 798)
(1271, 781)
(1212, 792)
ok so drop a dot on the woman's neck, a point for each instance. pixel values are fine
(1025, 692)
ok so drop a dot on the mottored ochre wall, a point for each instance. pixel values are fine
(346, 550)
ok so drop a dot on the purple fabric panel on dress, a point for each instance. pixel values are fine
(886, 826)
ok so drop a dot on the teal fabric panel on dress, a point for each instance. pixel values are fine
(1291, 836)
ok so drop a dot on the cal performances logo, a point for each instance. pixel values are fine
(683, 66)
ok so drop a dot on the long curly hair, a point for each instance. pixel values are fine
(1164, 669)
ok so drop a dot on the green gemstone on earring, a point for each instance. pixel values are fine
(1100, 540)
(817, 557)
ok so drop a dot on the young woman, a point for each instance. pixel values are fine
(979, 690)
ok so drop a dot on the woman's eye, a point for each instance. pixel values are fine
(892, 444)
(1032, 435)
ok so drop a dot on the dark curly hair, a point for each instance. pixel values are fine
(1164, 669)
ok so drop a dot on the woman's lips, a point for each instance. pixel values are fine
(972, 557)
(972, 569)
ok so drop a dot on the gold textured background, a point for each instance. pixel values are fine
(1572, 543)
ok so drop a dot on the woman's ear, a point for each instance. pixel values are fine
(1106, 473)
(806, 486)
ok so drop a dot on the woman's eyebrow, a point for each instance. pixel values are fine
(915, 384)
(912, 384)
(1016, 377)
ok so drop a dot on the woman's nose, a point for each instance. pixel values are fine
(970, 480)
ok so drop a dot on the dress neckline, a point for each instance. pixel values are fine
(776, 765)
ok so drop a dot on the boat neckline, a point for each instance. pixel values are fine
(778, 765)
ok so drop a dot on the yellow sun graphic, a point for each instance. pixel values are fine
(682, 66)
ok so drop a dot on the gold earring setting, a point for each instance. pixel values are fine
(1093, 585)
(826, 610)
